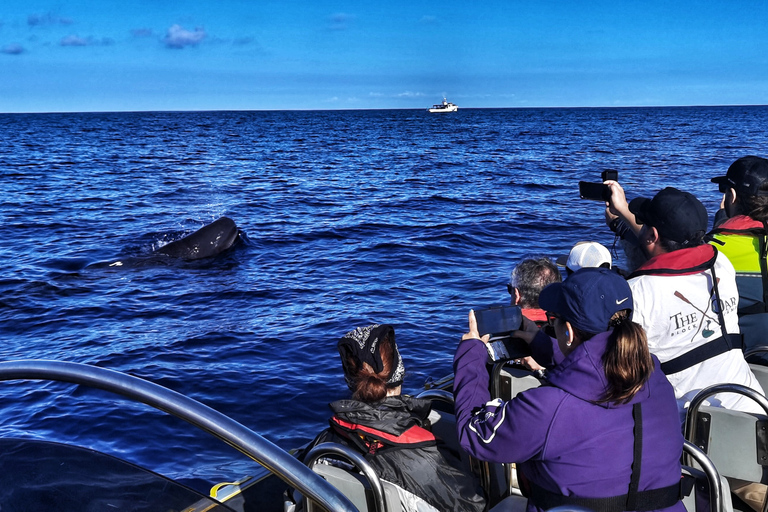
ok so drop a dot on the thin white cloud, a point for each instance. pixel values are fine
(429, 20)
(12, 49)
(178, 37)
(410, 94)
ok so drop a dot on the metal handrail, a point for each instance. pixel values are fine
(440, 395)
(325, 449)
(713, 476)
(759, 349)
(701, 396)
(269, 455)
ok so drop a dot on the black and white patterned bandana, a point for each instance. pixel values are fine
(362, 345)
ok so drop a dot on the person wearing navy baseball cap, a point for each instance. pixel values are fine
(588, 300)
(606, 391)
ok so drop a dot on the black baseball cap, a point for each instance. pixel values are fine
(675, 214)
(746, 175)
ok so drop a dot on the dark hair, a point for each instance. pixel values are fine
(531, 276)
(627, 359)
(755, 207)
(370, 386)
(671, 245)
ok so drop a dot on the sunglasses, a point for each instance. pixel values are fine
(551, 317)
(725, 185)
(511, 289)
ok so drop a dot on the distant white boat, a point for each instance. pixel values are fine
(445, 106)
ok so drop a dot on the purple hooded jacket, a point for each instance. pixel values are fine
(561, 439)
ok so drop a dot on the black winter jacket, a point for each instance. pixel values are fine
(392, 436)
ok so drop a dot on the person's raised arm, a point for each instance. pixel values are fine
(618, 206)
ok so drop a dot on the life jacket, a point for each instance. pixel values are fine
(633, 500)
(745, 243)
(688, 262)
(538, 316)
(679, 263)
(370, 440)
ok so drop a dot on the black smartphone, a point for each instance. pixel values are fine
(498, 320)
(594, 191)
(609, 175)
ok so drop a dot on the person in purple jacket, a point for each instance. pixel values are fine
(604, 432)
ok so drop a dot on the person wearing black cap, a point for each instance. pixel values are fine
(743, 237)
(606, 394)
(392, 430)
(676, 292)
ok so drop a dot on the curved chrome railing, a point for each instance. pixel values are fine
(326, 449)
(440, 395)
(713, 476)
(760, 349)
(269, 455)
(701, 397)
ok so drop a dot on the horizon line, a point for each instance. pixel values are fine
(171, 111)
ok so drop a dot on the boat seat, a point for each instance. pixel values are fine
(355, 487)
(735, 441)
(443, 422)
(360, 483)
(444, 428)
(509, 380)
(710, 492)
(500, 480)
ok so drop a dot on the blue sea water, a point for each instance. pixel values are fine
(350, 217)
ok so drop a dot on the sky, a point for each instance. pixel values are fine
(139, 55)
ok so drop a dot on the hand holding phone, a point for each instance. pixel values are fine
(598, 191)
(594, 191)
(498, 320)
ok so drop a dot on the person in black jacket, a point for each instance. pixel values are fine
(392, 430)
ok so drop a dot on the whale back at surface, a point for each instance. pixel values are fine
(206, 242)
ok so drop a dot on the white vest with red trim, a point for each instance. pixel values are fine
(674, 303)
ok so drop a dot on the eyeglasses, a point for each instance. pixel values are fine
(511, 289)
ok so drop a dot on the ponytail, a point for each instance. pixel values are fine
(627, 360)
(369, 386)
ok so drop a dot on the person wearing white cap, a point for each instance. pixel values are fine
(586, 254)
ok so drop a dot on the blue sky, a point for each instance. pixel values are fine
(103, 55)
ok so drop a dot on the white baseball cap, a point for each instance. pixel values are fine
(587, 254)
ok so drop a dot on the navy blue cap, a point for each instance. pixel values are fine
(675, 214)
(588, 298)
(746, 175)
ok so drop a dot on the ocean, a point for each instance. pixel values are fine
(349, 218)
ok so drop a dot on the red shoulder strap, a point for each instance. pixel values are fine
(415, 435)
